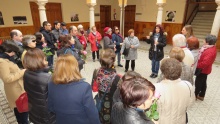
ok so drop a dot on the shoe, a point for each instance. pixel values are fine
(120, 65)
(126, 70)
(200, 98)
(93, 60)
(154, 76)
(151, 75)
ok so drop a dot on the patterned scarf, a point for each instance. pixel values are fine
(110, 36)
(204, 47)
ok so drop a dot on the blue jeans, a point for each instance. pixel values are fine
(50, 60)
(155, 65)
(119, 57)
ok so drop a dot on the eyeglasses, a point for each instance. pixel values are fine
(116, 29)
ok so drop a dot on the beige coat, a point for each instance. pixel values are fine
(176, 97)
(12, 77)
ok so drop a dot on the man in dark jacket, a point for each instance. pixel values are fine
(56, 31)
(16, 37)
(73, 32)
(50, 39)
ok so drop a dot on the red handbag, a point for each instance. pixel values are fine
(22, 103)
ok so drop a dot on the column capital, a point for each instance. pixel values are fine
(41, 4)
(160, 4)
(218, 3)
(121, 6)
(91, 4)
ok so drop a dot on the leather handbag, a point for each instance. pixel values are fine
(99, 46)
(22, 103)
(126, 51)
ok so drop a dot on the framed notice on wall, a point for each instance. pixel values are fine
(20, 20)
(170, 16)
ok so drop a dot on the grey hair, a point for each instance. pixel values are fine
(179, 40)
(211, 39)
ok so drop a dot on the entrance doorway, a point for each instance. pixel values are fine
(129, 18)
(53, 12)
(105, 17)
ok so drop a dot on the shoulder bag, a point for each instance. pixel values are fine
(126, 50)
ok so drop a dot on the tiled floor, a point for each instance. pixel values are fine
(205, 112)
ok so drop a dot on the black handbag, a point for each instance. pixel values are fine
(126, 51)
(99, 46)
(198, 71)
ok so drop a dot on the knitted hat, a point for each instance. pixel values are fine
(107, 29)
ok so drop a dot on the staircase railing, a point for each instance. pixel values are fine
(192, 15)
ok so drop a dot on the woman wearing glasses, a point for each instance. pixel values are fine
(118, 40)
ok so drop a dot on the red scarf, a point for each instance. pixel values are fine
(110, 36)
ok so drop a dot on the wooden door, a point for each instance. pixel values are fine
(129, 18)
(53, 12)
(35, 16)
(105, 17)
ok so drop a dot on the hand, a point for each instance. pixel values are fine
(114, 41)
(148, 37)
(132, 46)
(155, 42)
(121, 43)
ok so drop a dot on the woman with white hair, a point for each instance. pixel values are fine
(107, 40)
(81, 36)
(179, 40)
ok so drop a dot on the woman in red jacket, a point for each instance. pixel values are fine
(94, 38)
(207, 56)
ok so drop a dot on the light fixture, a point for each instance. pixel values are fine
(161, 1)
(91, 1)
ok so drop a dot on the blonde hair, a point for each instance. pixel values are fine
(177, 53)
(189, 30)
(66, 70)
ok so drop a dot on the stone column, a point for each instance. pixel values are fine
(121, 18)
(91, 14)
(216, 22)
(160, 12)
(42, 12)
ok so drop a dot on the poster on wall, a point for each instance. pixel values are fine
(1, 19)
(74, 17)
(170, 16)
(20, 20)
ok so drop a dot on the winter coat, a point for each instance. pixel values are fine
(56, 33)
(36, 86)
(159, 50)
(189, 58)
(116, 38)
(82, 40)
(72, 103)
(107, 43)
(74, 52)
(206, 60)
(92, 38)
(50, 39)
(176, 97)
(132, 55)
(12, 77)
(77, 44)
(122, 115)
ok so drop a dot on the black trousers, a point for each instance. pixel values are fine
(201, 84)
(22, 118)
(93, 54)
(132, 64)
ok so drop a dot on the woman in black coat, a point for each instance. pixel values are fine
(136, 96)
(156, 53)
(36, 79)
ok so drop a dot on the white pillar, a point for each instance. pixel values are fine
(91, 15)
(160, 13)
(42, 12)
(216, 22)
(121, 18)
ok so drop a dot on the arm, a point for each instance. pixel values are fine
(114, 39)
(148, 40)
(90, 38)
(90, 108)
(205, 61)
(123, 46)
(7, 76)
(163, 43)
(138, 43)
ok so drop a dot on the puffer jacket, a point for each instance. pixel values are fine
(122, 115)
(36, 86)
(176, 97)
(75, 53)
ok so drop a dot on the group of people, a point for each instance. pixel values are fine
(65, 97)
